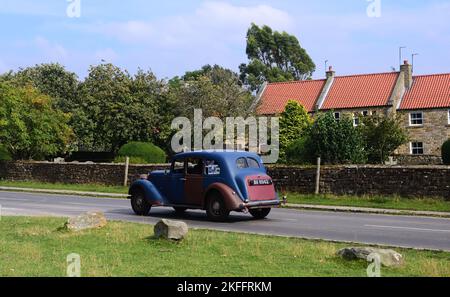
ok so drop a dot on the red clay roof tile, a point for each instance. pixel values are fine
(277, 95)
(355, 91)
(428, 91)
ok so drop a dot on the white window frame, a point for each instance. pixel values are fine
(412, 148)
(337, 116)
(448, 116)
(411, 119)
(355, 120)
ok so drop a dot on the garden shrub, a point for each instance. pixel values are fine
(141, 152)
(4, 154)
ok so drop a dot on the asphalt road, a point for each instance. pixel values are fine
(400, 231)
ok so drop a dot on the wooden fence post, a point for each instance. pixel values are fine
(318, 177)
(125, 178)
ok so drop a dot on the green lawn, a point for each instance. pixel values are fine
(35, 247)
(59, 186)
(393, 202)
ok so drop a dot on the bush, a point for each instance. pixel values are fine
(446, 152)
(133, 160)
(142, 152)
(4, 154)
(299, 152)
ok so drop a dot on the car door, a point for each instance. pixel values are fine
(177, 182)
(193, 187)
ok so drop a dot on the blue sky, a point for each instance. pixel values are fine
(170, 37)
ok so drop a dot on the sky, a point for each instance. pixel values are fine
(171, 37)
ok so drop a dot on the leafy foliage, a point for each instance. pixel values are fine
(114, 108)
(142, 152)
(30, 128)
(446, 152)
(336, 141)
(294, 122)
(382, 136)
(274, 57)
(4, 154)
(300, 151)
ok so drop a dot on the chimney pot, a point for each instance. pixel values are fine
(330, 68)
(406, 62)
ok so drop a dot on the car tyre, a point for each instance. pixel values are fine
(216, 208)
(139, 203)
(260, 213)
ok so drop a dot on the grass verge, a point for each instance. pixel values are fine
(60, 186)
(34, 247)
(393, 202)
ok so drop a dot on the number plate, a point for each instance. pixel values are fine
(261, 182)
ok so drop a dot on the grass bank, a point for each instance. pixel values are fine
(34, 247)
(61, 186)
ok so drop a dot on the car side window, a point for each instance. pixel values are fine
(178, 166)
(241, 163)
(212, 168)
(194, 166)
(252, 163)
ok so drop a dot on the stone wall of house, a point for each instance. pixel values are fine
(433, 133)
(409, 181)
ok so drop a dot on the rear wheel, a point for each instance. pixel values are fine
(139, 204)
(260, 213)
(216, 208)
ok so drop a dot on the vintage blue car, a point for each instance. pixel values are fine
(218, 182)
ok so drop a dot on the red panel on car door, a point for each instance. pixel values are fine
(193, 189)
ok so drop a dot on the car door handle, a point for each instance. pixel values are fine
(183, 179)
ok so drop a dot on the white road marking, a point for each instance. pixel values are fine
(407, 228)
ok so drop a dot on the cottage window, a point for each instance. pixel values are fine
(416, 119)
(365, 113)
(337, 116)
(355, 120)
(417, 148)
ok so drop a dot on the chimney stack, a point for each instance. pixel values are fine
(406, 71)
(330, 73)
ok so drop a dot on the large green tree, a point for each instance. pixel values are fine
(274, 57)
(113, 108)
(294, 123)
(50, 79)
(214, 89)
(382, 136)
(30, 128)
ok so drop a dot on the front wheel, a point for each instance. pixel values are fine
(260, 213)
(139, 204)
(215, 207)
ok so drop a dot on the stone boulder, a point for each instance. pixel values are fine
(89, 220)
(388, 258)
(173, 230)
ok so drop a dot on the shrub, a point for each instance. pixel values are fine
(143, 152)
(4, 154)
(133, 160)
(299, 152)
(446, 152)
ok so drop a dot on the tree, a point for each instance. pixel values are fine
(382, 136)
(30, 128)
(114, 108)
(336, 141)
(216, 90)
(294, 122)
(274, 57)
(52, 80)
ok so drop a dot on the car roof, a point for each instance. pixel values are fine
(221, 154)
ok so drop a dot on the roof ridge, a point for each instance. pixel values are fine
(296, 81)
(434, 74)
(368, 74)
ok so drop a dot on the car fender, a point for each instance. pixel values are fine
(232, 200)
(150, 191)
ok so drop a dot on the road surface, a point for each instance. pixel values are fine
(399, 231)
